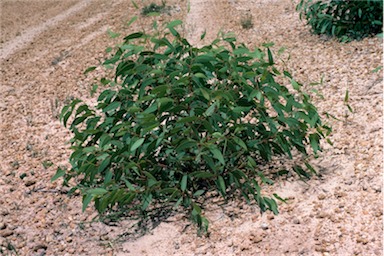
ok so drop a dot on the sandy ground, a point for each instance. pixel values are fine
(46, 45)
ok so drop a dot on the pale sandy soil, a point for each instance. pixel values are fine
(46, 45)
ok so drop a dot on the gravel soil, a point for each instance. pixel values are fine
(46, 46)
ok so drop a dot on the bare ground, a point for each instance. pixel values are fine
(45, 47)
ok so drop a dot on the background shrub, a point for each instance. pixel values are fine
(178, 121)
(246, 21)
(343, 19)
(153, 8)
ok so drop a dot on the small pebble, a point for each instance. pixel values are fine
(40, 246)
(296, 221)
(321, 196)
(378, 213)
(256, 238)
(322, 215)
(29, 183)
(340, 194)
(264, 226)
(6, 233)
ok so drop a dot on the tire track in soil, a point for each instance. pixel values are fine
(30, 34)
(29, 135)
(202, 17)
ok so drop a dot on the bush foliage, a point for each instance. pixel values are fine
(178, 121)
(343, 19)
(153, 8)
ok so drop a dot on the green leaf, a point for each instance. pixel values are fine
(346, 97)
(178, 203)
(202, 175)
(153, 14)
(112, 34)
(203, 35)
(168, 191)
(270, 57)
(97, 191)
(205, 93)
(300, 171)
(221, 183)
(200, 75)
(268, 45)
(134, 36)
(240, 51)
(149, 175)
(315, 142)
(279, 198)
(239, 174)
(164, 102)
(59, 173)
(66, 112)
(108, 177)
(185, 145)
(173, 24)
(310, 168)
(271, 205)
(129, 185)
(281, 50)
(89, 69)
(217, 154)
(133, 19)
(196, 209)
(104, 164)
(137, 144)
(295, 85)
(199, 193)
(183, 183)
(210, 110)
(105, 139)
(89, 149)
(134, 4)
(187, 119)
(86, 200)
(251, 162)
(240, 142)
(349, 108)
(105, 81)
(377, 69)
(146, 201)
(324, 27)
(113, 106)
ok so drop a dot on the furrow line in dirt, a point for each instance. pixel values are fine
(29, 34)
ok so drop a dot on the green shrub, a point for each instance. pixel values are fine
(153, 8)
(179, 121)
(247, 21)
(343, 19)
